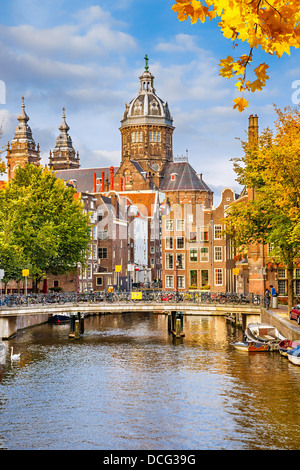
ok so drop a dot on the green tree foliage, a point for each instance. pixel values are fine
(271, 169)
(42, 225)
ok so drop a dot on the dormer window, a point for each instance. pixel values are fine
(173, 176)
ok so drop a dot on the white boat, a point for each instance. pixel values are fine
(263, 333)
(294, 356)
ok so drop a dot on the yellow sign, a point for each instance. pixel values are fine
(118, 268)
(25, 272)
(136, 295)
(235, 271)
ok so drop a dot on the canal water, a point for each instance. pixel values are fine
(127, 384)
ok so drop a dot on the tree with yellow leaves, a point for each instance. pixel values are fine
(271, 168)
(272, 25)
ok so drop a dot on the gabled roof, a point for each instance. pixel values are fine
(84, 177)
(186, 178)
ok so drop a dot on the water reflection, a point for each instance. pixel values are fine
(128, 384)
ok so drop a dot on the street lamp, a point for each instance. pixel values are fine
(176, 267)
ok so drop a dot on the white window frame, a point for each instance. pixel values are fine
(180, 222)
(218, 228)
(167, 264)
(218, 253)
(169, 281)
(181, 285)
(171, 222)
(171, 242)
(177, 247)
(204, 254)
(217, 272)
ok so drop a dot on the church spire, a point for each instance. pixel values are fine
(64, 156)
(23, 148)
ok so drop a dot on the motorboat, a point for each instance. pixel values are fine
(263, 333)
(250, 346)
(287, 345)
(294, 356)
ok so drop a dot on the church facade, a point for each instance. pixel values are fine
(171, 230)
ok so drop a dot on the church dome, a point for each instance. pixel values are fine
(147, 107)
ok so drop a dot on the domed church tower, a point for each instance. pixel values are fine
(147, 129)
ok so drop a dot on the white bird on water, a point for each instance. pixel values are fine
(14, 357)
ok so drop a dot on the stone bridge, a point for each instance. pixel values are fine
(14, 319)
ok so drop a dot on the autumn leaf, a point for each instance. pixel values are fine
(274, 26)
(240, 104)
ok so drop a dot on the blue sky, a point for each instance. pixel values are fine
(87, 57)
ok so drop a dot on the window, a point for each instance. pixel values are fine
(204, 235)
(180, 281)
(169, 225)
(193, 278)
(281, 273)
(136, 137)
(180, 243)
(180, 259)
(90, 271)
(204, 254)
(180, 225)
(99, 281)
(152, 249)
(169, 261)
(154, 136)
(218, 277)
(193, 236)
(193, 254)
(218, 253)
(102, 234)
(152, 262)
(169, 243)
(281, 287)
(204, 277)
(102, 253)
(169, 281)
(218, 232)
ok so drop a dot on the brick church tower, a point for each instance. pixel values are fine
(147, 136)
(64, 156)
(23, 148)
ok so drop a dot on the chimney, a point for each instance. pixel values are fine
(102, 181)
(253, 129)
(111, 178)
(95, 183)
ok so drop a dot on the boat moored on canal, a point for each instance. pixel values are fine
(287, 345)
(263, 333)
(294, 356)
(250, 346)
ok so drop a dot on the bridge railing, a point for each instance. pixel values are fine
(19, 300)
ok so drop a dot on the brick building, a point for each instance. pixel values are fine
(152, 216)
